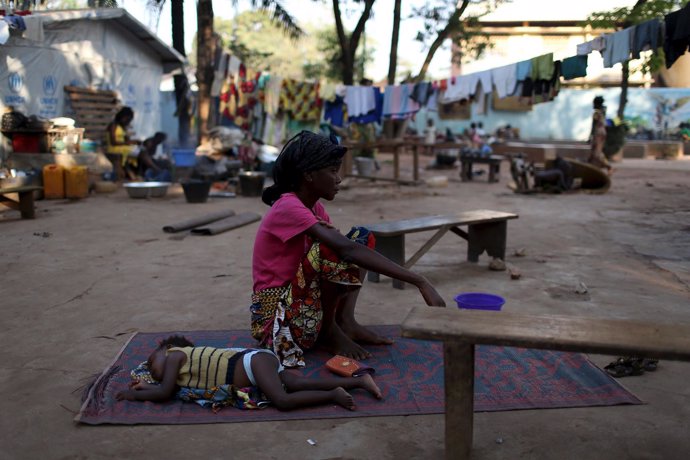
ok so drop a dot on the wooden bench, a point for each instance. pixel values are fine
(20, 199)
(486, 231)
(467, 163)
(461, 330)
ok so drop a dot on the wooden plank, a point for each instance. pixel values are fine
(565, 333)
(420, 224)
(80, 90)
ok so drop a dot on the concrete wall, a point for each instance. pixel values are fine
(568, 116)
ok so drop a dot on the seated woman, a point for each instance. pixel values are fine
(149, 167)
(119, 148)
(307, 275)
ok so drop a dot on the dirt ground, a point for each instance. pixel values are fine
(84, 275)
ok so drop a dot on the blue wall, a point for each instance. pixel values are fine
(568, 116)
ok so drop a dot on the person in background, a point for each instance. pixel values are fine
(149, 167)
(119, 147)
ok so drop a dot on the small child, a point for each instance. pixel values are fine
(178, 363)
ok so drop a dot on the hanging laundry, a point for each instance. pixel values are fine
(504, 79)
(596, 44)
(327, 91)
(301, 99)
(359, 100)
(220, 74)
(459, 88)
(421, 92)
(375, 115)
(542, 67)
(574, 67)
(646, 36)
(334, 111)
(617, 47)
(432, 102)
(677, 34)
(272, 94)
(484, 77)
(523, 70)
(397, 102)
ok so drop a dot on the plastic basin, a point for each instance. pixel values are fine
(479, 301)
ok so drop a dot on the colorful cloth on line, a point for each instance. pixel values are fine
(289, 318)
(214, 398)
(397, 102)
(301, 99)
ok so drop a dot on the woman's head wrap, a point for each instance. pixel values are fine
(305, 152)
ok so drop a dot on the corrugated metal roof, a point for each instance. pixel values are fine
(170, 58)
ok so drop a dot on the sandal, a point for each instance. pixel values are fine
(625, 366)
(650, 365)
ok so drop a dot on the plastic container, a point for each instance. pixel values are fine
(252, 183)
(183, 158)
(53, 182)
(365, 166)
(196, 191)
(479, 301)
(76, 182)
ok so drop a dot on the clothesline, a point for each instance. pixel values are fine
(263, 103)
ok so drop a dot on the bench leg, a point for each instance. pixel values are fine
(494, 169)
(392, 247)
(26, 204)
(458, 368)
(465, 170)
(490, 237)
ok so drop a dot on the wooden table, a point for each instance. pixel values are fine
(486, 231)
(461, 330)
(20, 199)
(397, 147)
(467, 163)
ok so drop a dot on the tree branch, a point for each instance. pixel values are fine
(452, 24)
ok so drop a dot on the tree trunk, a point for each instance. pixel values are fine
(206, 48)
(348, 48)
(624, 90)
(393, 61)
(181, 83)
(451, 26)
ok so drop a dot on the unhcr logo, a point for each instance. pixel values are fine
(15, 82)
(49, 85)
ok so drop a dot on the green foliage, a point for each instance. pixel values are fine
(262, 45)
(330, 65)
(442, 16)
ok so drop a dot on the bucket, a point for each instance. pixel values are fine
(479, 301)
(196, 191)
(365, 166)
(183, 158)
(53, 182)
(76, 182)
(252, 183)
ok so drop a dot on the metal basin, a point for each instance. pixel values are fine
(146, 189)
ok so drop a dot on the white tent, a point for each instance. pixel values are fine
(103, 48)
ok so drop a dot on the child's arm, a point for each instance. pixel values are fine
(371, 260)
(162, 392)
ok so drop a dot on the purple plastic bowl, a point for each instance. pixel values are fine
(479, 301)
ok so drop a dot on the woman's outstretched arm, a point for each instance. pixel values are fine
(371, 260)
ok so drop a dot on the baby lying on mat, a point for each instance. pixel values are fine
(203, 372)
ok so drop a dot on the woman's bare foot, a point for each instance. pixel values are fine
(366, 382)
(344, 398)
(361, 334)
(336, 342)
